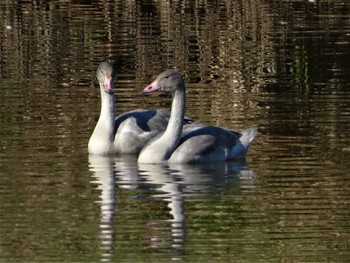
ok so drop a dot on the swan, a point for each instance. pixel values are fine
(127, 133)
(194, 142)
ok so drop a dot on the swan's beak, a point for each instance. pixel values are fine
(151, 88)
(108, 85)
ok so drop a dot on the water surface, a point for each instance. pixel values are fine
(282, 66)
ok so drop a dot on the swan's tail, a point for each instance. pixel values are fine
(242, 146)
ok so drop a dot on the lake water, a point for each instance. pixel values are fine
(282, 66)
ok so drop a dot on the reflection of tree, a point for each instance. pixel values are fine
(242, 42)
(243, 48)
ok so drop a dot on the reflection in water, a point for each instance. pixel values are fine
(280, 65)
(169, 183)
(162, 180)
(103, 177)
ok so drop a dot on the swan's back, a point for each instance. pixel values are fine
(204, 144)
(201, 143)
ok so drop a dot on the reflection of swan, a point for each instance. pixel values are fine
(129, 132)
(178, 181)
(170, 183)
(159, 176)
(126, 171)
(194, 143)
(103, 174)
(197, 179)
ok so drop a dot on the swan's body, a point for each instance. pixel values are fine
(129, 132)
(194, 142)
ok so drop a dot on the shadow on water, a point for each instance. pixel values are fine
(173, 184)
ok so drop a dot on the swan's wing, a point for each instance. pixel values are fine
(191, 126)
(145, 120)
(201, 143)
(235, 132)
(148, 120)
(135, 128)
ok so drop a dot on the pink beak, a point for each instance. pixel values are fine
(151, 87)
(108, 85)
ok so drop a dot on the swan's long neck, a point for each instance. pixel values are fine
(107, 116)
(161, 149)
(101, 140)
(173, 131)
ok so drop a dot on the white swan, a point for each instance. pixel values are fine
(194, 142)
(129, 132)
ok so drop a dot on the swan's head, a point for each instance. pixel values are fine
(106, 74)
(168, 81)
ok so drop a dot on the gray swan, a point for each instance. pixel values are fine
(194, 142)
(127, 133)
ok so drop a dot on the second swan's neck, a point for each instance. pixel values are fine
(101, 140)
(161, 149)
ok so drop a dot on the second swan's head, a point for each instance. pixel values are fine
(106, 74)
(168, 81)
